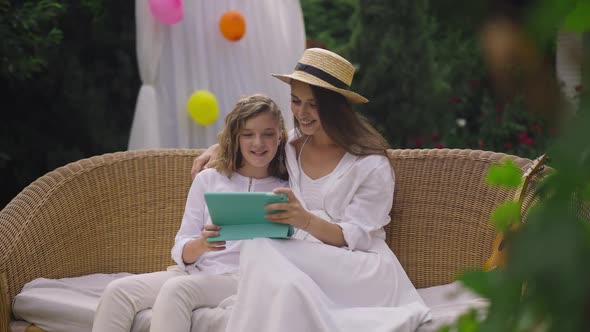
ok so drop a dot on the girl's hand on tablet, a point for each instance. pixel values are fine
(208, 231)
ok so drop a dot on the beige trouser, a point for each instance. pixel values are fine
(172, 295)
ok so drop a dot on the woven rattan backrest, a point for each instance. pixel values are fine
(111, 213)
(441, 211)
(119, 212)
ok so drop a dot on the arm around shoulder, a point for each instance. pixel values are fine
(203, 160)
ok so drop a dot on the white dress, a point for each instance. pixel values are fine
(303, 285)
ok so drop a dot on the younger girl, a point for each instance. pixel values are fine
(251, 159)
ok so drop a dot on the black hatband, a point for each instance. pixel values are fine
(321, 75)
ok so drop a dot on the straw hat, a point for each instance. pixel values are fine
(325, 69)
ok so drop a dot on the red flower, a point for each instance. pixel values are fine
(536, 128)
(500, 108)
(508, 146)
(454, 100)
(435, 137)
(419, 141)
(440, 146)
(525, 139)
(481, 143)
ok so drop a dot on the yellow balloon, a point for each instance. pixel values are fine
(202, 107)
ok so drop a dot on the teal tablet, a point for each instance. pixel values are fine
(241, 215)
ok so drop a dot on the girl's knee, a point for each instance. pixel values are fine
(176, 286)
(129, 289)
(117, 287)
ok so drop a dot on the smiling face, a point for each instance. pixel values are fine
(305, 108)
(259, 140)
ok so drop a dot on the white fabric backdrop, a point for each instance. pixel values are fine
(177, 60)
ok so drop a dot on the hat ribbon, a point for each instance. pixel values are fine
(321, 75)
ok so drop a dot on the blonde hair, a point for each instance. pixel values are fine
(230, 157)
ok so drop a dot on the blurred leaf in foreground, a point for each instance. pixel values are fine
(506, 214)
(507, 174)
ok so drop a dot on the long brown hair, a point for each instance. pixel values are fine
(347, 128)
(230, 157)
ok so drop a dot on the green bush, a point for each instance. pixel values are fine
(329, 22)
(29, 34)
(428, 86)
(394, 51)
(71, 95)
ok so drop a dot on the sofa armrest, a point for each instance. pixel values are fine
(110, 213)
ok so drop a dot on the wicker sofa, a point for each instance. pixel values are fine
(119, 212)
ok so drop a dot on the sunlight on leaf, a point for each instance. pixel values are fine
(506, 214)
(547, 16)
(468, 322)
(579, 19)
(507, 174)
(477, 281)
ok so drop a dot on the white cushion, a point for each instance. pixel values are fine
(19, 325)
(62, 304)
(447, 303)
(68, 305)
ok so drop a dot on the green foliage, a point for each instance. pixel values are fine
(545, 284)
(507, 174)
(467, 322)
(393, 50)
(548, 16)
(505, 214)
(586, 193)
(579, 18)
(329, 22)
(427, 84)
(77, 104)
(475, 119)
(29, 33)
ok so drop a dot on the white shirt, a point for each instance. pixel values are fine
(196, 216)
(358, 196)
(312, 190)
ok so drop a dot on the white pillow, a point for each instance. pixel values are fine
(447, 303)
(66, 304)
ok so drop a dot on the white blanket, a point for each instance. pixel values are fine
(294, 285)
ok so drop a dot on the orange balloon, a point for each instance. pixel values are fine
(232, 25)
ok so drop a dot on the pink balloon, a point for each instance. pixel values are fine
(167, 11)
